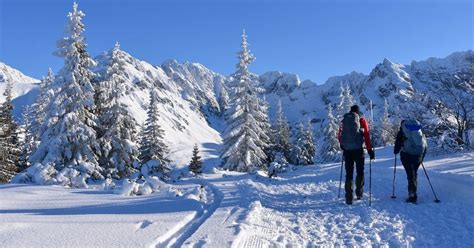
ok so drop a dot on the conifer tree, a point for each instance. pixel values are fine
(67, 152)
(281, 135)
(309, 143)
(330, 145)
(9, 143)
(117, 128)
(243, 148)
(152, 146)
(346, 100)
(264, 122)
(38, 109)
(28, 139)
(303, 148)
(196, 164)
(387, 133)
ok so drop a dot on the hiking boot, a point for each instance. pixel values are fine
(412, 198)
(348, 202)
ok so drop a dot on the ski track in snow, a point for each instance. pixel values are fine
(181, 232)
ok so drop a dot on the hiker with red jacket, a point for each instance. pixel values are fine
(353, 133)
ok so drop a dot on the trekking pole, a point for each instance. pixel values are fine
(340, 177)
(394, 171)
(429, 181)
(370, 182)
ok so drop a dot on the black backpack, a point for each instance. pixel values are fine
(352, 135)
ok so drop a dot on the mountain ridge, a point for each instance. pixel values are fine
(194, 97)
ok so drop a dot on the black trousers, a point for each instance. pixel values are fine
(411, 163)
(352, 157)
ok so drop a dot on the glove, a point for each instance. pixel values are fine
(371, 154)
(342, 148)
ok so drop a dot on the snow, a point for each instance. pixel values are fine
(52, 216)
(297, 208)
(25, 89)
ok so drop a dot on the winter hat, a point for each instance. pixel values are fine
(355, 109)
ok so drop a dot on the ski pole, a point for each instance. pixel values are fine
(429, 181)
(340, 177)
(394, 172)
(370, 182)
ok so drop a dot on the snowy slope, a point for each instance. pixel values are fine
(183, 122)
(199, 85)
(297, 209)
(25, 89)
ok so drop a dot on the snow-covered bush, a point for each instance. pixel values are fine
(72, 178)
(130, 187)
(38, 173)
(108, 184)
(273, 169)
(198, 193)
(154, 168)
(446, 142)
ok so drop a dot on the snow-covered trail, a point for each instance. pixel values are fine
(221, 228)
(297, 209)
(301, 208)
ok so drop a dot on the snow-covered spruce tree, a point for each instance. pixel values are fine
(309, 143)
(116, 127)
(9, 152)
(153, 149)
(28, 142)
(38, 109)
(264, 122)
(303, 147)
(346, 100)
(196, 164)
(281, 136)
(386, 127)
(67, 152)
(243, 148)
(330, 145)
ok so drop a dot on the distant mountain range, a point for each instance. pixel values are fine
(194, 97)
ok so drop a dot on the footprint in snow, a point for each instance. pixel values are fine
(143, 224)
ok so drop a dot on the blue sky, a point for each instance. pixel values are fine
(314, 39)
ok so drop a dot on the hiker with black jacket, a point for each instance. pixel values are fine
(353, 133)
(411, 144)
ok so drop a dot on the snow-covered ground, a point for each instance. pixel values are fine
(296, 209)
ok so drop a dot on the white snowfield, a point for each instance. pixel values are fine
(297, 209)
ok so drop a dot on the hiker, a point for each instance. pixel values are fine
(353, 133)
(411, 144)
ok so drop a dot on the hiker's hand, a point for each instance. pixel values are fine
(371, 154)
(342, 148)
